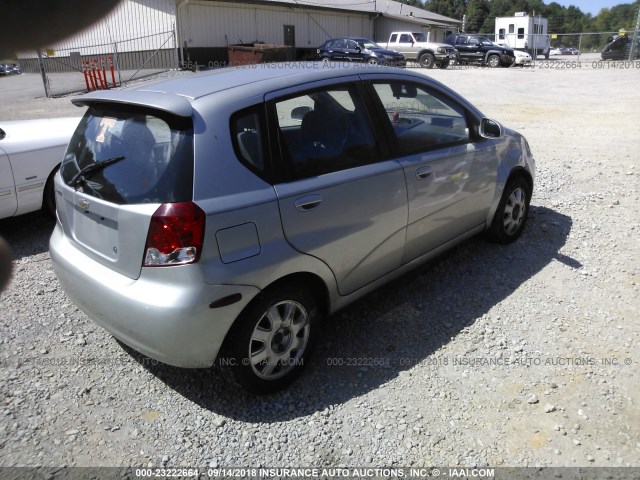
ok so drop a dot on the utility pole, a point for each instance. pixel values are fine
(634, 39)
(45, 80)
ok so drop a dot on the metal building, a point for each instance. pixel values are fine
(155, 34)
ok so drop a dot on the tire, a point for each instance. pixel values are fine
(427, 60)
(511, 214)
(49, 195)
(267, 346)
(493, 61)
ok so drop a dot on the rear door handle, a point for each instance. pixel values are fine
(308, 202)
(423, 172)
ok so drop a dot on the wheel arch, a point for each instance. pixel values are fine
(516, 172)
(310, 281)
(423, 51)
(49, 184)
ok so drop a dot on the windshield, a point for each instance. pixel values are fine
(142, 156)
(369, 45)
(420, 37)
(486, 40)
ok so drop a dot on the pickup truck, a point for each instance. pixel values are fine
(415, 46)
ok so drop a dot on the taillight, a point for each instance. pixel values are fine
(176, 234)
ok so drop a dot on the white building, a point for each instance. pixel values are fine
(524, 32)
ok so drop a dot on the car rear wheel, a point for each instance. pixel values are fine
(511, 214)
(268, 345)
(427, 60)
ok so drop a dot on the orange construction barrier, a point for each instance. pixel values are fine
(86, 75)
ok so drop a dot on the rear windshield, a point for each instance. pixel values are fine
(148, 156)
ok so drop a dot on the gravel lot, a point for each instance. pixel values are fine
(519, 355)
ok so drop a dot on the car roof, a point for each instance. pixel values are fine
(177, 94)
(348, 38)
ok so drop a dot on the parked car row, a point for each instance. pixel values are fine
(415, 46)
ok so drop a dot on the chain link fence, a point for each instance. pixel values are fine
(101, 66)
(615, 45)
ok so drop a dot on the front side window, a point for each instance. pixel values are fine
(324, 131)
(420, 119)
(130, 155)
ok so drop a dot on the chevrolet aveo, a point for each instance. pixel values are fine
(216, 219)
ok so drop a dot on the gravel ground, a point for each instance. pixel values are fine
(518, 355)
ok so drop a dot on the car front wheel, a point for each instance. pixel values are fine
(268, 345)
(427, 60)
(511, 214)
(493, 61)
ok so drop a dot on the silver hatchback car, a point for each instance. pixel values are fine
(216, 218)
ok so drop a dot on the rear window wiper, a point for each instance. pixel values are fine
(93, 168)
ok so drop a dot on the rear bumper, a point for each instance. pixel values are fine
(165, 314)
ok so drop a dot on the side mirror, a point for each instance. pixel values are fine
(489, 128)
(299, 112)
(358, 50)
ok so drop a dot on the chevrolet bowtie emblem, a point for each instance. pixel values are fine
(83, 204)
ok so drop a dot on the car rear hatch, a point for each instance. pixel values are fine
(123, 162)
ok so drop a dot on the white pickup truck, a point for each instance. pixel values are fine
(416, 46)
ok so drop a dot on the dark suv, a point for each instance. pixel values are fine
(476, 48)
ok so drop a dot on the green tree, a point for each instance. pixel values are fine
(449, 8)
(477, 13)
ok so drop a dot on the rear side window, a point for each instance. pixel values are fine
(148, 156)
(324, 131)
(247, 134)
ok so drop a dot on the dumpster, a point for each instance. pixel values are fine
(252, 53)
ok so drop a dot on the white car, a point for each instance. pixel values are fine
(522, 58)
(30, 154)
